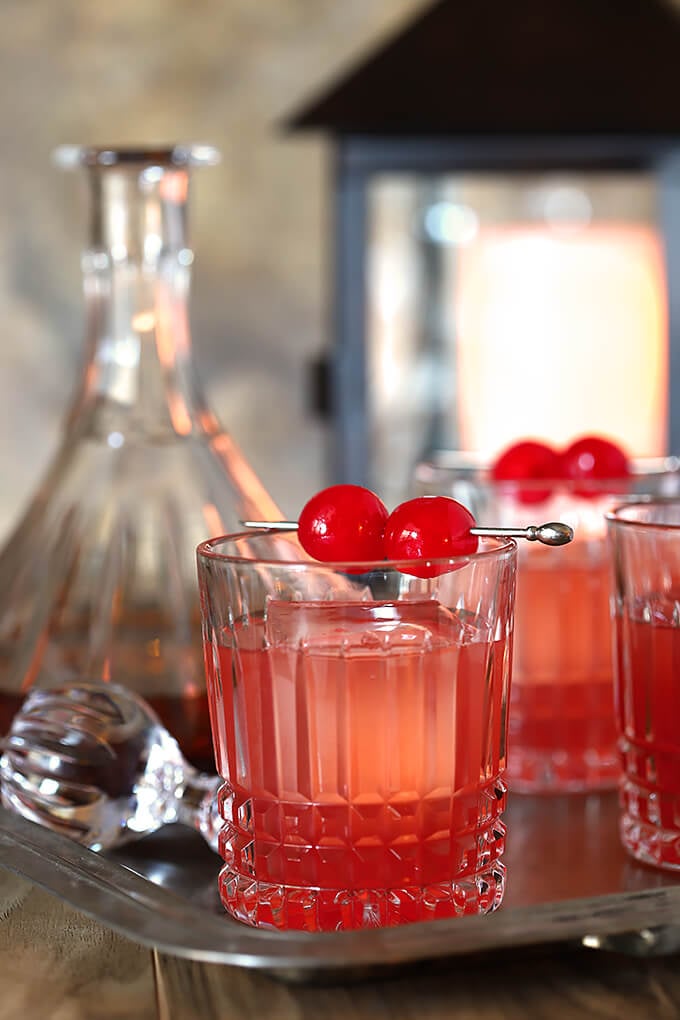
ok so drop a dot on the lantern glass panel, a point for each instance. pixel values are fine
(507, 306)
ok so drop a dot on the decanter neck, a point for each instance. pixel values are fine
(138, 213)
(139, 375)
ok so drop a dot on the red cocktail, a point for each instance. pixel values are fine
(562, 727)
(562, 731)
(645, 541)
(360, 725)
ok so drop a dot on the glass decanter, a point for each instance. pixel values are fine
(98, 579)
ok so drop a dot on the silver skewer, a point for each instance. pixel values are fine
(279, 525)
(552, 533)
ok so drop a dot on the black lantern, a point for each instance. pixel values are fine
(507, 233)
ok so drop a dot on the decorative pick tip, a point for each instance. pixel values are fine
(552, 533)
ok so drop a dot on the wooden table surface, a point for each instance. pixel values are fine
(56, 964)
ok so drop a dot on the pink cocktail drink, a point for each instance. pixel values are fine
(645, 547)
(649, 709)
(562, 731)
(362, 743)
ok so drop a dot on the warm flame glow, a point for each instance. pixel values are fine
(561, 333)
(143, 322)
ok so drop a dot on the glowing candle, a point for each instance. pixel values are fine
(561, 333)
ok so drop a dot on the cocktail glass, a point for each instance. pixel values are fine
(645, 548)
(359, 722)
(562, 730)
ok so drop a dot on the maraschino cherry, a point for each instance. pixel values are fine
(593, 458)
(528, 460)
(343, 523)
(350, 524)
(429, 528)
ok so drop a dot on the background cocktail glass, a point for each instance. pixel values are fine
(562, 732)
(645, 548)
(359, 722)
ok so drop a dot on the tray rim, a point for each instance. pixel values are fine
(123, 900)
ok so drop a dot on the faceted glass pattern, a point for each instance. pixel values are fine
(361, 736)
(645, 545)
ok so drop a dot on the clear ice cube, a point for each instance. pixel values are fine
(366, 626)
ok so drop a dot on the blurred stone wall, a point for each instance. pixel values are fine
(144, 72)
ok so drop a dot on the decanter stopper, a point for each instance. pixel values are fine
(93, 762)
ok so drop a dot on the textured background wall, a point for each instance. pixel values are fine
(145, 71)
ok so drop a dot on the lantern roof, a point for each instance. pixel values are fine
(496, 67)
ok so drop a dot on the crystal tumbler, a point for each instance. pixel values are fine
(645, 548)
(562, 732)
(359, 724)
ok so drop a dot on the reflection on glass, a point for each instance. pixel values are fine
(503, 307)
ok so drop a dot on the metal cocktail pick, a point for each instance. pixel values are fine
(93, 762)
(552, 533)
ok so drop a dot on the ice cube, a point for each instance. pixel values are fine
(364, 625)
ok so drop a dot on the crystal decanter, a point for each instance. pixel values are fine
(98, 579)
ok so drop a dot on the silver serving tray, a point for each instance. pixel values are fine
(569, 880)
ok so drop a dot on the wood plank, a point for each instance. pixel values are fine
(561, 985)
(57, 964)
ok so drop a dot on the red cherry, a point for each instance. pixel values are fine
(429, 528)
(343, 523)
(593, 458)
(528, 459)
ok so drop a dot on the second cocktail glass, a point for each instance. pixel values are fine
(645, 548)
(359, 723)
(562, 732)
